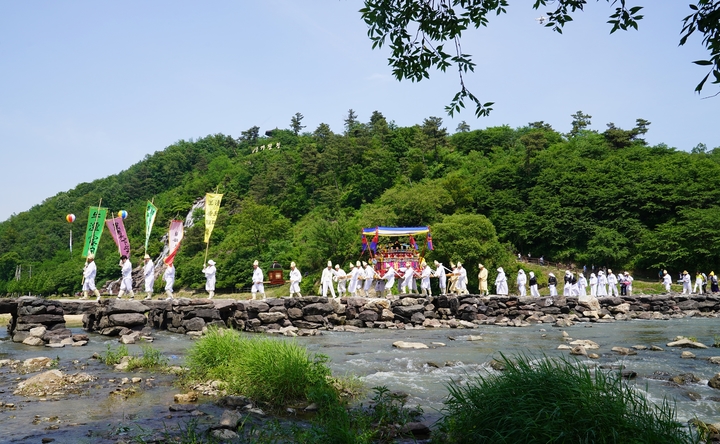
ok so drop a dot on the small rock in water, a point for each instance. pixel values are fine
(593, 356)
(656, 348)
(565, 334)
(624, 351)
(409, 345)
(639, 347)
(687, 355)
(186, 398)
(438, 344)
(684, 342)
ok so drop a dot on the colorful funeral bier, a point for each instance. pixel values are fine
(399, 249)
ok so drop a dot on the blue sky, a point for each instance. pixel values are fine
(89, 88)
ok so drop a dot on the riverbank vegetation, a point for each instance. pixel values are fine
(556, 400)
(589, 197)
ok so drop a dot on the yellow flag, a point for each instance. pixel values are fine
(212, 206)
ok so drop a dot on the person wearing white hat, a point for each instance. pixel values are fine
(126, 282)
(210, 272)
(482, 280)
(341, 278)
(533, 285)
(667, 280)
(327, 280)
(462, 279)
(408, 277)
(501, 285)
(149, 273)
(425, 278)
(360, 270)
(442, 277)
(369, 276)
(612, 284)
(521, 281)
(582, 285)
(593, 285)
(352, 280)
(295, 278)
(602, 284)
(257, 279)
(169, 278)
(89, 273)
(567, 283)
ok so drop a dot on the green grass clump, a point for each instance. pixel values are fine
(114, 356)
(266, 370)
(149, 359)
(554, 401)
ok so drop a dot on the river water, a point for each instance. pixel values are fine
(96, 416)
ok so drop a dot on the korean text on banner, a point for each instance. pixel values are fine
(117, 231)
(174, 237)
(150, 214)
(96, 222)
(212, 206)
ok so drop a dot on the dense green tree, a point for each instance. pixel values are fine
(296, 123)
(418, 33)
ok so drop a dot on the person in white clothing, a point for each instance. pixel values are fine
(340, 278)
(89, 273)
(521, 281)
(425, 279)
(169, 278)
(126, 283)
(534, 292)
(567, 283)
(612, 281)
(327, 280)
(582, 285)
(462, 279)
(698, 283)
(210, 271)
(602, 284)
(352, 285)
(257, 278)
(593, 285)
(667, 280)
(369, 276)
(149, 273)
(389, 277)
(295, 278)
(501, 286)
(408, 277)
(687, 289)
(442, 277)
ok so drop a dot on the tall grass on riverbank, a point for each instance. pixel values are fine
(266, 370)
(555, 401)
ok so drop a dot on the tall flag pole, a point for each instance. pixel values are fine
(150, 214)
(212, 206)
(96, 222)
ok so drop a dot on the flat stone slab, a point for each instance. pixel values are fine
(409, 345)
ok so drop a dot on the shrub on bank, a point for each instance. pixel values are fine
(555, 401)
(266, 370)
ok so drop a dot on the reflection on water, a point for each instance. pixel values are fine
(423, 374)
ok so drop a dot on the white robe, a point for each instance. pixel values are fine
(352, 287)
(126, 283)
(295, 278)
(686, 284)
(169, 278)
(389, 279)
(425, 278)
(612, 285)
(149, 272)
(327, 282)
(461, 284)
(369, 275)
(442, 278)
(521, 281)
(501, 286)
(667, 280)
(340, 278)
(582, 286)
(258, 279)
(408, 279)
(602, 285)
(89, 274)
(209, 272)
(593, 285)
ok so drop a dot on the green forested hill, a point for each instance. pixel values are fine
(588, 198)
